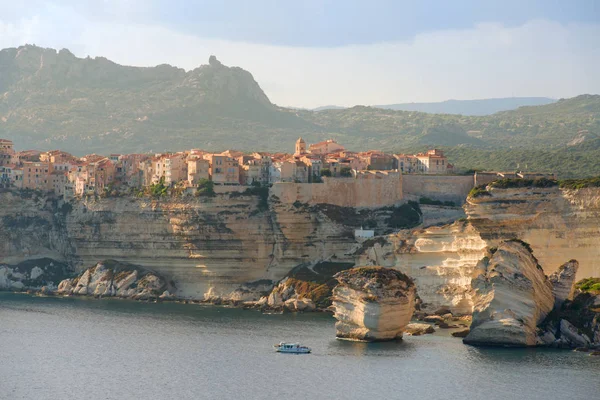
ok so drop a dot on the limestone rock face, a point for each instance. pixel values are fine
(441, 260)
(512, 296)
(559, 224)
(563, 282)
(373, 303)
(33, 274)
(113, 279)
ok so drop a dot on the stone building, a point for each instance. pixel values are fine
(7, 152)
(224, 169)
(300, 147)
(198, 169)
(327, 147)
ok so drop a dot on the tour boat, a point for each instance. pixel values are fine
(295, 348)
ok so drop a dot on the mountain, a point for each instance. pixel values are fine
(52, 99)
(471, 107)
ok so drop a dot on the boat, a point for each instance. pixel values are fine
(294, 348)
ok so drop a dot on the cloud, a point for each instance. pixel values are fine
(538, 58)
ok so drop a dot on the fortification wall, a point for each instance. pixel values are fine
(344, 192)
(437, 187)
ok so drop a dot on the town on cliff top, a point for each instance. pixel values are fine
(69, 176)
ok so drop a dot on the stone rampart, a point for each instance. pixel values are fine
(437, 187)
(344, 192)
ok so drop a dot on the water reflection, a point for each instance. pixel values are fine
(397, 348)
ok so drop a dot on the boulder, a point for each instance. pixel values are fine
(511, 297)
(299, 305)
(373, 303)
(563, 282)
(417, 329)
(433, 318)
(571, 337)
(461, 334)
(114, 279)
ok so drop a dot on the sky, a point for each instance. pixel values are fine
(312, 53)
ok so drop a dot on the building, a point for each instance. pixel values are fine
(265, 161)
(175, 169)
(326, 147)
(7, 152)
(5, 175)
(224, 170)
(300, 147)
(430, 162)
(60, 184)
(36, 175)
(433, 162)
(407, 163)
(315, 165)
(377, 160)
(198, 168)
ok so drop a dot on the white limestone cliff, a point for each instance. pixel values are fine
(440, 260)
(511, 297)
(563, 282)
(372, 303)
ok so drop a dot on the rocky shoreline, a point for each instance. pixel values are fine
(515, 303)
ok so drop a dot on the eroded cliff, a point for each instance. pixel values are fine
(206, 246)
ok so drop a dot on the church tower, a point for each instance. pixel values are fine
(300, 147)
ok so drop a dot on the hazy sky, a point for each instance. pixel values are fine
(309, 53)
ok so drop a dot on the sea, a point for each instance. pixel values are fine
(78, 348)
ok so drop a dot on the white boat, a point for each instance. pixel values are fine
(294, 348)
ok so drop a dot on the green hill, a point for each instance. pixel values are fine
(51, 99)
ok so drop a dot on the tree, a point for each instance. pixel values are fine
(346, 172)
(206, 188)
(325, 172)
(159, 189)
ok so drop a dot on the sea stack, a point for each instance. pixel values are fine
(512, 295)
(373, 303)
(563, 282)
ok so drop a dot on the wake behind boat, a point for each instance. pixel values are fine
(294, 348)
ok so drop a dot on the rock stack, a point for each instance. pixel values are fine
(511, 297)
(373, 303)
(563, 282)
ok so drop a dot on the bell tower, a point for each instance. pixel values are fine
(300, 147)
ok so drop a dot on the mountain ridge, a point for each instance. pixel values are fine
(52, 99)
(475, 107)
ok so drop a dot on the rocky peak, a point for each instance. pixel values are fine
(213, 62)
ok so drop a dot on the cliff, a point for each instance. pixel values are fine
(559, 224)
(236, 247)
(511, 297)
(209, 248)
(441, 261)
(372, 303)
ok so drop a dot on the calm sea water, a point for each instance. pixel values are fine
(68, 348)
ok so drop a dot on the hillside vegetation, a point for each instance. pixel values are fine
(51, 99)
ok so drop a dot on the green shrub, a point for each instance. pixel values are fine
(206, 188)
(479, 191)
(523, 183)
(589, 285)
(580, 183)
